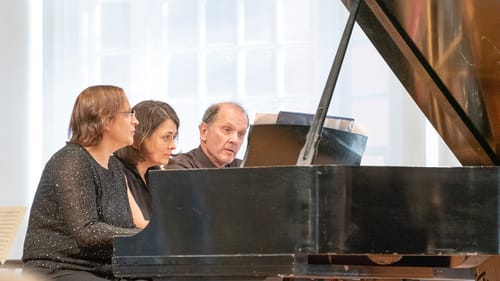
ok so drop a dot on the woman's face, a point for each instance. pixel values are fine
(160, 145)
(122, 127)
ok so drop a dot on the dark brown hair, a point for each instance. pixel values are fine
(150, 114)
(93, 109)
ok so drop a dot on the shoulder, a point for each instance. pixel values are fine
(236, 163)
(115, 160)
(70, 149)
(187, 160)
(128, 169)
(118, 165)
(69, 154)
(70, 162)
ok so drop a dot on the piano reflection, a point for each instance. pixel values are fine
(314, 220)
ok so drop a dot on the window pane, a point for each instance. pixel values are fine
(260, 73)
(260, 21)
(298, 71)
(367, 66)
(374, 113)
(297, 21)
(115, 70)
(183, 75)
(221, 22)
(115, 25)
(221, 73)
(183, 23)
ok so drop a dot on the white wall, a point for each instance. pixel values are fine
(14, 101)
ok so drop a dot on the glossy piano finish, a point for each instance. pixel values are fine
(329, 221)
(255, 222)
(447, 55)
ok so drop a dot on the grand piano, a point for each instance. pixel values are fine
(333, 221)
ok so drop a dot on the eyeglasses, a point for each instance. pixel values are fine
(131, 113)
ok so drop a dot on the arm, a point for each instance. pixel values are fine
(78, 190)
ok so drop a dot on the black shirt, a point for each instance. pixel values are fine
(139, 189)
(78, 207)
(196, 158)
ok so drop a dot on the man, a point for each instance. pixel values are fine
(222, 132)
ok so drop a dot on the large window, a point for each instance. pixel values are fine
(269, 55)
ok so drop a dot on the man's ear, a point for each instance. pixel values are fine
(203, 131)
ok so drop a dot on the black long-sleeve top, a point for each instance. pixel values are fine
(139, 188)
(194, 159)
(78, 208)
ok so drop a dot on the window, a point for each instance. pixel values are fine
(269, 55)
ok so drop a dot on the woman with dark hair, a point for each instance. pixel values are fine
(154, 143)
(81, 202)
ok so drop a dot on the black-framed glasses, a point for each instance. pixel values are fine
(131, 113)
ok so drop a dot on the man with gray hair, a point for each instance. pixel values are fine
(222, 132)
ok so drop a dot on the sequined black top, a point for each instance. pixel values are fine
(138, 188)
(196, 158)
(78, 207)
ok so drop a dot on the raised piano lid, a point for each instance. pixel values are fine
(446, 53)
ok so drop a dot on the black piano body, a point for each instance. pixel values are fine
(348, 221)
(271, 221)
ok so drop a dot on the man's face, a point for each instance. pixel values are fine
(221, 140)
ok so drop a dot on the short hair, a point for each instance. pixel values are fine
(93, 109)
(212, 111)
(150, 114)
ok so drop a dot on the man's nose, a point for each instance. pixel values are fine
(234, 138)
